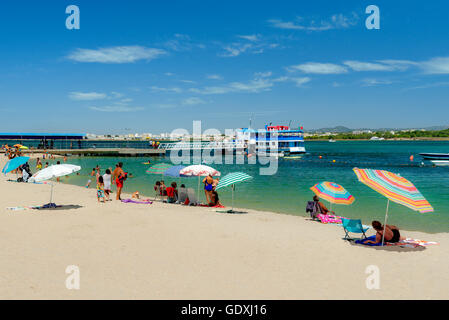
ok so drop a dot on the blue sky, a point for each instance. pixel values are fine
(153, 66)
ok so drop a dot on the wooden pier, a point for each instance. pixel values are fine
(102, 152)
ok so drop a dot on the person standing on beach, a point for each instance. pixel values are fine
(107, 183)
(119, 177)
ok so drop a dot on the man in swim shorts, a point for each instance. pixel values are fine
(118, 177)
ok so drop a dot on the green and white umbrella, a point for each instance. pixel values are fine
(231, 180)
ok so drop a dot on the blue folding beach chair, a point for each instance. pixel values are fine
(354, 226)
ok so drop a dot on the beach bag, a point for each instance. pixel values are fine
(310, 206)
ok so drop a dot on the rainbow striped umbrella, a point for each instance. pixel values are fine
(332, 192)
(394, 188)
(159, 168)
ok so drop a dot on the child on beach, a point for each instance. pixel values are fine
(100, 190)
(107, 183)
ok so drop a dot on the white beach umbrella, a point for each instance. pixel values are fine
(55, 171)
(199, 170)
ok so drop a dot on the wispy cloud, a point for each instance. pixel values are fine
(169, 90)
(116, 55)
(318, 68)
(375, 82)
(235, 49)
(87, 96)
(251, 37)
(214, 77)
(382, 65)
(253, 86)
(438, 65)
(429, 85)
(336, 21)
(116, 108)
(193, 101)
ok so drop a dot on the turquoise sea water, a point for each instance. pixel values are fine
(288, 190)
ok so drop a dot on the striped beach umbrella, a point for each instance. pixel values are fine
(232, 179)
(199, 170)
(394, 188)
(159, 168)
(333, 192)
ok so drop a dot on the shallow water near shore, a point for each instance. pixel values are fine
(288, 190)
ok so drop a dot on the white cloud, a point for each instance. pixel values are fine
(116, 108)
(251, 37)
(214, 77)
(439, 65)
(263, 74)
(123, 54)
(192, 101)
(253, 86)
(171, 89)
(336, 21)
(381, 65)
(285, 25)
(368, 66)
(235, 49)
(87, 96)
(300, 81)
(375, 82)
(319, 68)
(188, 81)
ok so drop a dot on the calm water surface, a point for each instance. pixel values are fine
(288, 190)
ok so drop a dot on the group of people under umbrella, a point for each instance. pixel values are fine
(393, 186)
(199, 171)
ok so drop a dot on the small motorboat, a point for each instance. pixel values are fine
(440, 163)
(435, 156)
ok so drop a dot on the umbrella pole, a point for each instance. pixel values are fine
(385, 222)
(233, 189)
(51, 194)
(198, 188)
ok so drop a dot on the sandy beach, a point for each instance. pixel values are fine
(162, 251)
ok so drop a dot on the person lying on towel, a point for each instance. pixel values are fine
(392, 233)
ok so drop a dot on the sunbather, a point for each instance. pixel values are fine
(392, 233)
(322, 208)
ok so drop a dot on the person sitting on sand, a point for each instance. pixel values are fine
(215, 200)
(322, 208)
(157, 187)
(135, 195)
(172, 193)
(392, 233)
(163, 188)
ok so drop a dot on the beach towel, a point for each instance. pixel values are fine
(137, 201)
(45, 206)
(205, 205)
(327, 218)
(20, 208)
(408, 243)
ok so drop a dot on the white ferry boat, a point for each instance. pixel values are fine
(281, 139)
